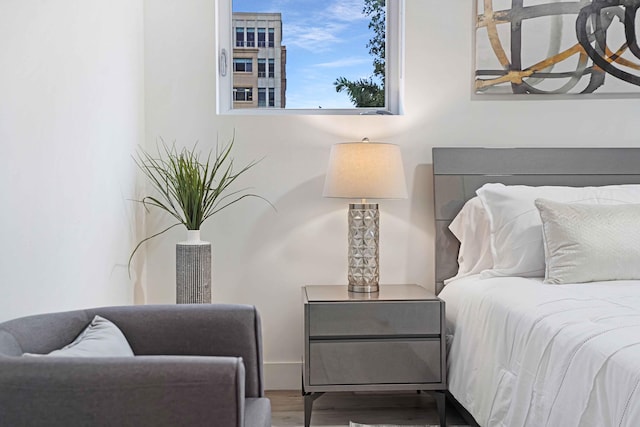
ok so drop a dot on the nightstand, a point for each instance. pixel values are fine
(383, 341)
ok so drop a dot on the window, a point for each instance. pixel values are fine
(251, 37)
(239, 37)
(243, 94)
(272, 97)
(272, 67)
(302, 48)
(272, 37)
(262, 97)
(262, 34)
(243, 65)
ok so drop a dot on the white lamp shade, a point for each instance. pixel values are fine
(365, 170)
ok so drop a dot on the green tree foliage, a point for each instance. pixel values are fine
(370, 92)
(362, 92)
(375, 9)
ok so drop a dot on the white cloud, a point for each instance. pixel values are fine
(322, 29)
(346, 10)
(314, 38)
(344, 62)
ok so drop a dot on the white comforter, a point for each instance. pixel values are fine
(528, 354)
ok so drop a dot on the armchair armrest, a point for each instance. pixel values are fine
(137, 391)
(229, 330)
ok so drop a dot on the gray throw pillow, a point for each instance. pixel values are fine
(100, 339)
(588, 243)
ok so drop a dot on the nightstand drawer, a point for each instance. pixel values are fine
(338, 362)
(374, 318)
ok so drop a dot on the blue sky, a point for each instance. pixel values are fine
(325, 40)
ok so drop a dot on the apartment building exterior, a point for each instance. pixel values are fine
(259, 61)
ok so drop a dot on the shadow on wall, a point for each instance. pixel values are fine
(421, 198)
(301, 235)
(422, 225)
(137, 233)
(305, 242)
(309, 233)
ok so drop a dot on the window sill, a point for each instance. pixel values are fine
(262, 111)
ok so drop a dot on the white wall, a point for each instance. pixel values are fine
(263, 257)
(73, 106)
(71, 114)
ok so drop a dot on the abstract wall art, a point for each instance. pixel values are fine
(557, 47)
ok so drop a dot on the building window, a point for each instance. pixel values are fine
(262, 67)
(251, 37)
(243, 65)
(370, 85)
(262, 97)
(239, 36)
(272, 37)
(243, 94)
(272, 67)
(272, 97)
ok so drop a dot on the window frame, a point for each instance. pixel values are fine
(271, 97)
(262, 43)
(271, 68)
(247, 91)
(263, 62)
(250, 31)
(394, 63)
(271, 37)
(262, 93)
(245, 61)
(238, 43)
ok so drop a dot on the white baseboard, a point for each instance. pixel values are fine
(283, 375)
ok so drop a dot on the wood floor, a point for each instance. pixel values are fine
(337, 409)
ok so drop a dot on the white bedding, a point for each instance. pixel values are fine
(528, 354)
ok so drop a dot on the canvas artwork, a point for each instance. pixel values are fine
(557, 47)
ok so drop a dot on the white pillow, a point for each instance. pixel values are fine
(100, 339)
(471, 227)
(587, 243)
(516, 228)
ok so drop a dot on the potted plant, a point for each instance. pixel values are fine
(191, 190)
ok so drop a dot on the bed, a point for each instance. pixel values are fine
(526, 353)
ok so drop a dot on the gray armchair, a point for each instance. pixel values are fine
(195, 365)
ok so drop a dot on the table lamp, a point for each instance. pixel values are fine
(364, 170)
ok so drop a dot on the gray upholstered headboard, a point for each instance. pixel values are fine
(459, 172)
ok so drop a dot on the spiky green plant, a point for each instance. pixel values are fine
(188, 189)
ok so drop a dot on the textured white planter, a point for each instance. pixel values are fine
(193, 270)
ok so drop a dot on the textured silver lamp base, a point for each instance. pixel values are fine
(364, 271)
(193, 273)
